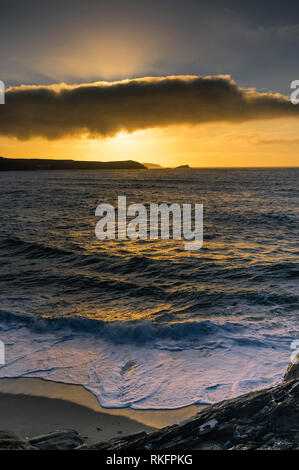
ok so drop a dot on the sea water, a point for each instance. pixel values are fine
(144, 323)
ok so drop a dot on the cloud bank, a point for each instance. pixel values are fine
(103, 109)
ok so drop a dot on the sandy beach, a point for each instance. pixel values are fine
(31, 407)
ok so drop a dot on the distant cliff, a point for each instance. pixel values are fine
(152, 165)
(27, 164)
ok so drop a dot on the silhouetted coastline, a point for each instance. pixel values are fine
(29, 164)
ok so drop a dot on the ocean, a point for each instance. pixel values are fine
(144, 323)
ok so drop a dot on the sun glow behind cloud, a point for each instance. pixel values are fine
(213, 145)
(173, 120)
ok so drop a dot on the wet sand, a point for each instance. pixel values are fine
(31, 407)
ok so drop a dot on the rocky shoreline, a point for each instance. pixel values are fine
(267, 419)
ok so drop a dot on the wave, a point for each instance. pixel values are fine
(142, 365)
(178, 269)
(32, 248)
(126, 331)
(143, 332)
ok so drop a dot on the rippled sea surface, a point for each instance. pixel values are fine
(147, 324)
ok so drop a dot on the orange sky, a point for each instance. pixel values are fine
(260, 143)
(119, 40)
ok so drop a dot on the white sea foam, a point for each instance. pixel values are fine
(205, 364)
(144, 323)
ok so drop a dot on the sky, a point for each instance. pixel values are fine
(85, 63)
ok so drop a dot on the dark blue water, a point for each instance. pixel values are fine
(145, 323)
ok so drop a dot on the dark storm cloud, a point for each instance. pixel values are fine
(70, 40)
(103, 109)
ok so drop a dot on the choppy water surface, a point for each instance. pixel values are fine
(147, 324)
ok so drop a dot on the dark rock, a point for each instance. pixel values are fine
(277, 444)
(292, 372)
(210, 445)
(10, 441)
(59, 440)
(266, 419)
(131, 440)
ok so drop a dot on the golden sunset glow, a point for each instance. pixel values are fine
(201, 121)
(149, 228)
(215, 145)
